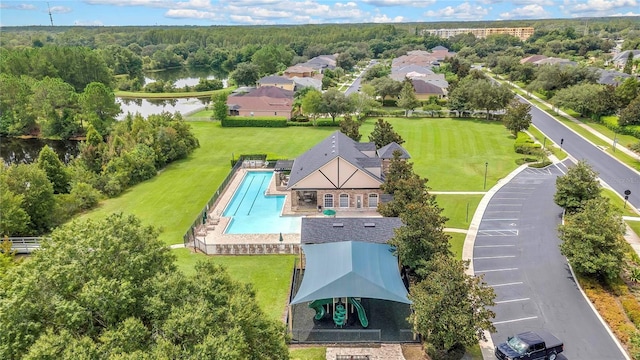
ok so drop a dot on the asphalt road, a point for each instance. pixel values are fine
(516, 249)
(617, 175)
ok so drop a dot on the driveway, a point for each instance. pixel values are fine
(516, 250)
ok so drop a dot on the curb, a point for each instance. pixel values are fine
(486, 347)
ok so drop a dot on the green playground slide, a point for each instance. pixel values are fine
(318, 306)
(362, 315)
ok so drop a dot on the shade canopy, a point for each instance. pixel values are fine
(351, 269)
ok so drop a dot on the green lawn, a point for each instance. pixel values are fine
(549, 145)
(308, 353)
(270, 275)
(455, 208)
(635, 226)
(456, 242)
(618, 203)
(452, 153)
(446, 151)
(200, 114)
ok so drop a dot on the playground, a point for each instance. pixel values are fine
(349, 291)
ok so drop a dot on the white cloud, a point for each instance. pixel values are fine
(410, 3)
(526, 12)
(18, 6)
(534, 2)
(383, 18)
(630, 13)
(192, 14)
(147, 3)
(60, 9)
(464, 11)
(596, 6)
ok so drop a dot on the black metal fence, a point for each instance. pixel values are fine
(236, 164)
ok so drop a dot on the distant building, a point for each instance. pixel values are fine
(263, 101)
(522, 33)
(620, 60)
(282, 82)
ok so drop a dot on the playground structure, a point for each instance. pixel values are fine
(340, 313)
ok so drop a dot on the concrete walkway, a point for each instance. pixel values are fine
(382, 352)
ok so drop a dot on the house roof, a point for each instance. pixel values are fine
(302, 82)
(299, 69)
(532, 58)
(283, 165)
(622, 56)
(439, 48)
(269, 98)
(274, 79)
(335, 145)
(316, 230)
(610, 77)
(351, 269)
(386, 152)
(425, 87)
(411, 68)
(321, 62)
(553, 61)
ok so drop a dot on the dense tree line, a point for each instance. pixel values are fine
(38, 197)
(109, 289)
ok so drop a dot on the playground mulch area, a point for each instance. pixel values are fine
(387, 323)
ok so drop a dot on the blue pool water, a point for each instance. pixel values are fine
(255, 213)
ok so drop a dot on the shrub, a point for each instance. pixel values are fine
(541, 164)
(85, 195)
(237, 121)
(631, 308)
(524, 145)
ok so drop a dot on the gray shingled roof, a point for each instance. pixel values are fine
(335, 145)
(275, 79)
(325, 230)
(610, 77)
(386, 152)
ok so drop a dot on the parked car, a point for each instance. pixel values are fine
(531, 345)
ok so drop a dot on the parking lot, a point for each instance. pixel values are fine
(516, 250)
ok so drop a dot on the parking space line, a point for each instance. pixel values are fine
(495, 270)
(512, 300)
(483, 219)
(519, 204)
(494, 257)
(507, 284)
(510, 198)
(497, 232)
(514, 320)
(491, 246)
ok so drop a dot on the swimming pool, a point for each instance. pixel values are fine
(253, 212)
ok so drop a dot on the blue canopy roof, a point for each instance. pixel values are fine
(351, 269)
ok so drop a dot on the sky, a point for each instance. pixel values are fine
(270, 12)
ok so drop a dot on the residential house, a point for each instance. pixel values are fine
(426, 89)
(302, 82)
(611, 77)
(300, 71)
(441, 53)
(554, 61)
(620, 60)
(321, 62)
(338, 173)
(282, 82)
(263, 101)
(400, 72)
(386, 154)
(532, 59)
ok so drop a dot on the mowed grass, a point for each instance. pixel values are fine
(308, 353)
(451, 153)
(270, 275)
(455, 209)
(619, 203)
(172, 200)
(456, 242)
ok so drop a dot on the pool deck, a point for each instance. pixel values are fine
(214, 232)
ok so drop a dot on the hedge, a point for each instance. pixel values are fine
(524, 145)
(237, 121)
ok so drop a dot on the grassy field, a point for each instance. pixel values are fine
(549, 145)
(173, 199)
(618, 203)
(308, 353)
(455, 208)
(452, 153)
(456, 242)
(270, 275)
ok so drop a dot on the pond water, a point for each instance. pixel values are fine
(16, 150)
(147, 107)
(185, 76)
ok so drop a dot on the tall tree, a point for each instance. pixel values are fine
(311, 103)
(220, 109)
(407, 99)
(386, 87)
(14, 220)
(628, 65)
(31, 182)
(383, 134)
(246, 74)
(334, 103)
(451, 308)
(271, 59)
(631, 114)
(362, 103)
(98, 102)
(518, 117)
(54, 168)
(351, 128)
(578, 185)
(593, 240)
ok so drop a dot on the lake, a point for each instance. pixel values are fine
(147, 107)
(25, 151)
